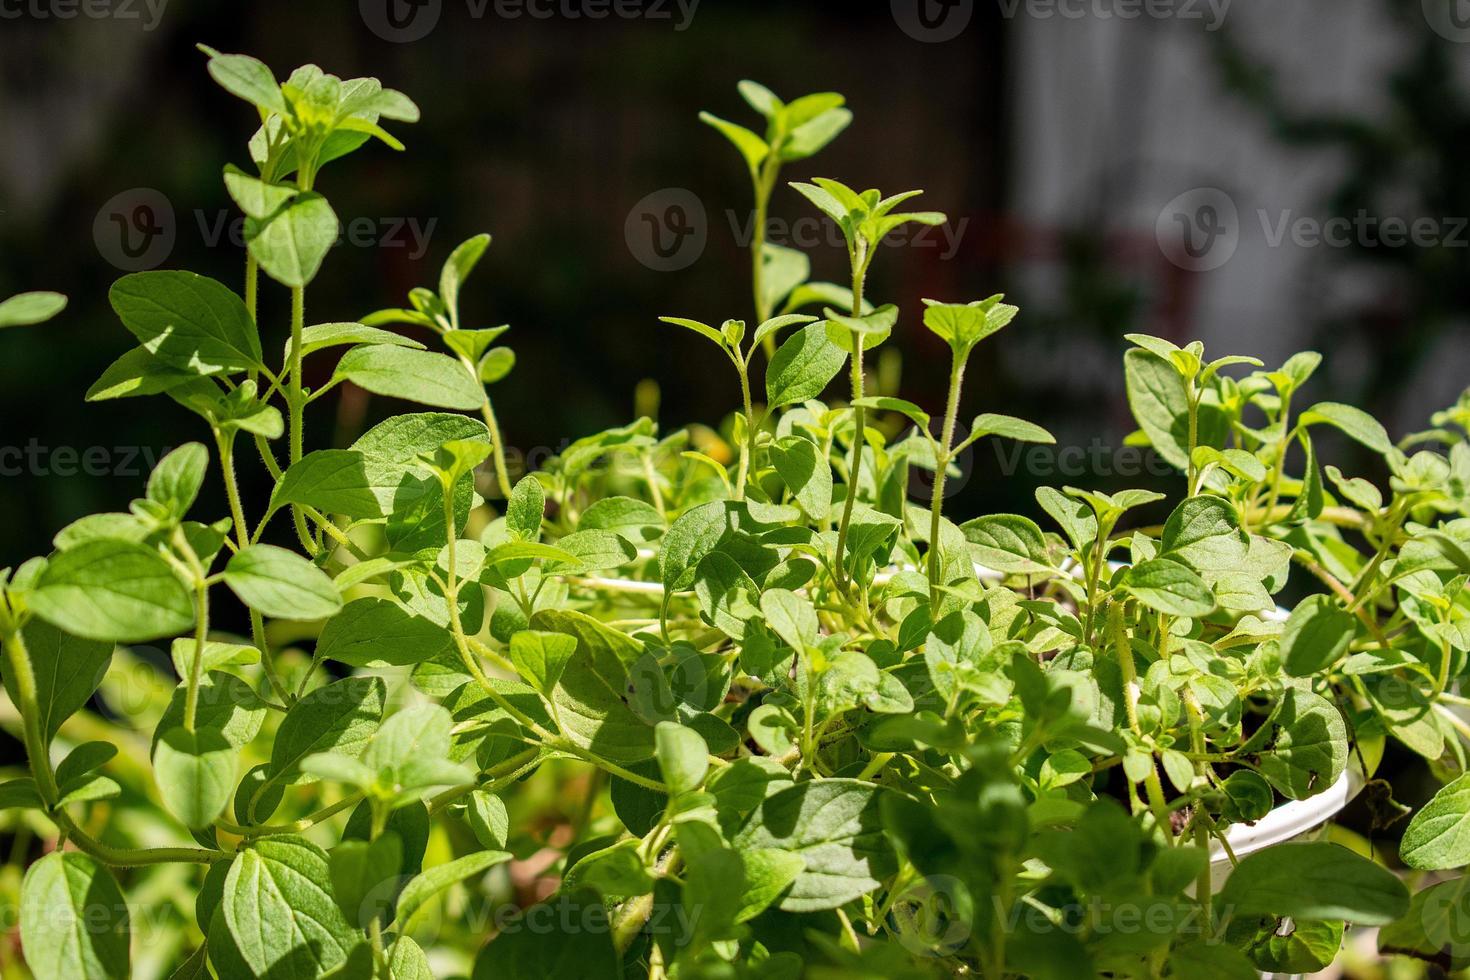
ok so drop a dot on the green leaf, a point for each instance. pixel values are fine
(176, 480)
(138, 373)
(1157, 396)
(1076, 518)
(456, 269)
(793, 618)
(1438, 837)
(617, 872)
(559, 948)
(1354, 421)
(418, 376)
(703, 329)
(526, 508)
(68, 671)
(73, 919)
(340, 717)
(246, 78)
(374, 632)
(1008, 543)
(1310, 748)
(195, 772)
(812, 136)
(365, 876)
(768, 874)
(321, 336)
(436, 879)
(682, 757)
(1314, 881)
(280, 913)
(871, 329)
(187, 321)
(806, 473)
(281, 584)
(1316, 636)
(802, 366)
(541, 657)
(488, 819)
(112, 590)
(227, 705)
(455, 459)
(590, 703)
(1170, 587)
(834, 825)
(256, 197)
(752, 148)
(28, 309)
(1009, 427)
(963, 325)
(335, 481)
(696, 533)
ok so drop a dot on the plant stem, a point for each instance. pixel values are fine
(941, 460)
(747, 445)
(196, 669)
(1118, 634)
(497, 447)
(472, 664)
(765, 183)
(296, 404)
(860, 417)
(23, 676)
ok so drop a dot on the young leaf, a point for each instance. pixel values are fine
(792, 618)
(540, 657)
(291, 243)
(456, 269)
(1317, 634)
(28, 309)
(282, 584)
(247, 78)
(806, 474)
(1008, 543)
(682, 757)
(73, 919)
(526, 508)
(418, 376)
(752, 148)
(802, 366)
(112, 590)
(1354, 421)
(176, 480)
(696, 533)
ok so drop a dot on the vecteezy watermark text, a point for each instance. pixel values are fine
(668, 230)
(137, 230)
(34, 459)
(1201, 229)
(147, 13)
(937, 21)
(404, 21)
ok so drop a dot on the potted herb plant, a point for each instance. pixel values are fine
(646, 712)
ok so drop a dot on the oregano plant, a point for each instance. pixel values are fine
(644, 712)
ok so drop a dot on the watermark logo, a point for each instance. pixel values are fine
(146, 13)
(933, 916)
(1450, 19)
(138, 229)
(135, 230)
(667, 230)
(1199, 230)
(401, 21)
(932, 21)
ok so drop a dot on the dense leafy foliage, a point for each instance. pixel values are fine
(809, 726)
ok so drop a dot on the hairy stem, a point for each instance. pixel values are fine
(941, 465)
(860, 416)
(296, 405)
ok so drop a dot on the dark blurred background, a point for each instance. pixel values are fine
(1261, 176)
